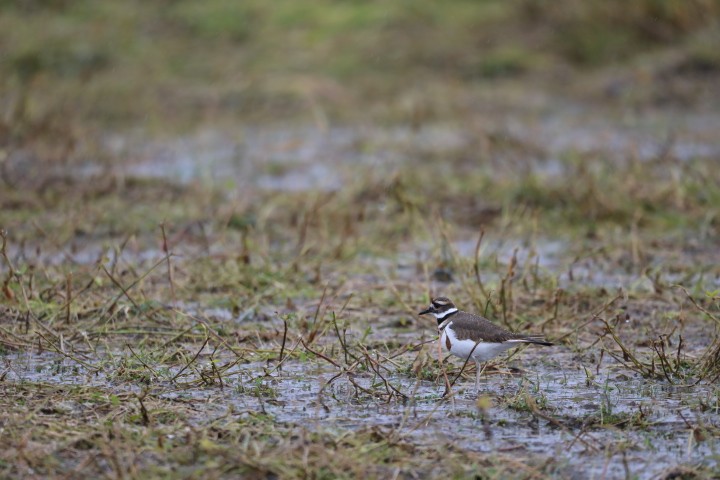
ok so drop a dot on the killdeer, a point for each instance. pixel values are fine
(467, 335)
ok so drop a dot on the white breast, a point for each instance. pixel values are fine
(462, 348)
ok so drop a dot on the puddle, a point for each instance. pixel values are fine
(90, 252)
(314, 177)
(559, 385)
(559, 259)
(297, 158)
(545, 252)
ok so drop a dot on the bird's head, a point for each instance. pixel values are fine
(440, 307)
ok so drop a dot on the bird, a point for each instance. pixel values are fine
(467, 335)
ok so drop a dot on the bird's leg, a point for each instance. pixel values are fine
(448, 387)
(478, 372)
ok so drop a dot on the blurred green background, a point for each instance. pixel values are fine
(171, 64)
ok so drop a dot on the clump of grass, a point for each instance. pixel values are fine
(522, 402)
(710, 361)
(662, 360)
(597, 32)
(504, 62)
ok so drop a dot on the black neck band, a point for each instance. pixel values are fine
(441, 320)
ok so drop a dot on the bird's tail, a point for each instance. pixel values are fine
(535, 339)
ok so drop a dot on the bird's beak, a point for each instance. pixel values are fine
(427, 310)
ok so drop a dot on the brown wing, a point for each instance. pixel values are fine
(479, 329)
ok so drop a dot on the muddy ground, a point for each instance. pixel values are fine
(236, 296)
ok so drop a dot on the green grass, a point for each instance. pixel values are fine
(129, 62)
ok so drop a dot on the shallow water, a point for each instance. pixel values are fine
(559, 384)
(296, 158)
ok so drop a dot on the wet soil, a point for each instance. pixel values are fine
(583, 412)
